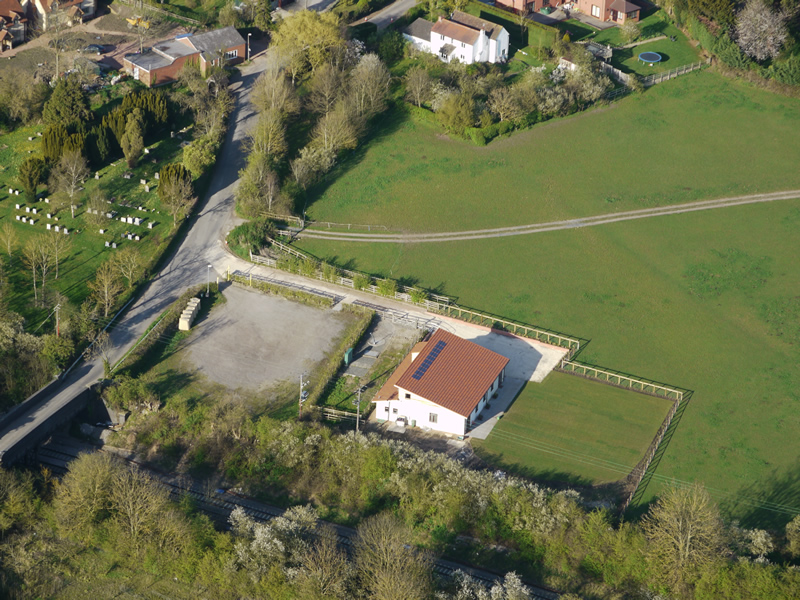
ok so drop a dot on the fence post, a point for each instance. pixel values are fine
(251, 280)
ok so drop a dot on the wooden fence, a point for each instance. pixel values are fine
(624, 381)
(542, 335)
(677, 72)
(639, 471)
(347, 278)
(649, 80)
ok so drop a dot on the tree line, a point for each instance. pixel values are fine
(346, 87)
(682, 548)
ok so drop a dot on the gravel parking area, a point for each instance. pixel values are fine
(255, 340)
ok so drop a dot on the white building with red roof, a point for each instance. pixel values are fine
(443, 384)
(463, 37)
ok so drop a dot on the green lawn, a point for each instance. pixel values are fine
(688, 139)
(570, 428)
(707, 301)
(88, 248)
(673, 55)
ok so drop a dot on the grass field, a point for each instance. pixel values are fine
(572, 429)
(688, 139)
(707, 301)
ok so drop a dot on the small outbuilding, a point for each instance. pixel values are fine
(443, 384)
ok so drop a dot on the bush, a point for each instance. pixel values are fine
(287, 292)
(787, 71)
(253, 235)
(361, 282)
(387, 288)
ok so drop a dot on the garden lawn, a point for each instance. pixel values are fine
(673, 55)
(88, 246)
(687, 139)
(707, 301)
(573, 429)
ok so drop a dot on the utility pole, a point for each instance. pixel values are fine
(358, 407)
(300, 399)
(58, 329)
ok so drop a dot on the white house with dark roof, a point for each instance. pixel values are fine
(443, 384)
(462, 37)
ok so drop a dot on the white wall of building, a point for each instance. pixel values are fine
(418, 43)
(498, 49)
(420, 410)
(465, 53)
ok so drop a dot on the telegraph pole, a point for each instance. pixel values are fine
(358, 407)
(300, 399)
(58, 329)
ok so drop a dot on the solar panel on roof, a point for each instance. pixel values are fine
(422, 369)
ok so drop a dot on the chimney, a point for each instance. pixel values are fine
(440, 18)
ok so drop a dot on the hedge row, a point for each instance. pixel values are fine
(168, 321)
(287, 292)
(333, 362)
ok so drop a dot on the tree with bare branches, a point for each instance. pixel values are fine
(419, 85)
(69, 174)
(269, 136)
(389, 568)
(59, 245)
(106, 286)
(684, 531)
(129, 262)
(326, 87)
(8, 237)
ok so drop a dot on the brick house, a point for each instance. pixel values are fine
(73, 11)
(616, 11)
(161, 64)
(525, 6)
(13, 24)
(443, 384)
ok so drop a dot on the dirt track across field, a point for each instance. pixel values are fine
(454, 236)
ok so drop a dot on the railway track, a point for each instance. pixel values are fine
(57, 453)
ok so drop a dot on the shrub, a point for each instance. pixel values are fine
(329, 272)
(418, 296)
(361, 282)
(387, 287)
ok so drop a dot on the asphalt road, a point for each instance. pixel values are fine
(384, 17)
(187, 266)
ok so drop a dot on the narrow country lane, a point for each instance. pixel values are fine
(187, 266)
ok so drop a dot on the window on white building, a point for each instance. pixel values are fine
(394, 410)
(462, 45)
(386, 408)
(441, 36)
(408, 396)
(433, 417)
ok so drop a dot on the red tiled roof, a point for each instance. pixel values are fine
(8, 8)
(458, 376)
(492, 29)
(456, 31)
(388, 391)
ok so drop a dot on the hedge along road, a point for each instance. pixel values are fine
(455, 236)
(186, 267)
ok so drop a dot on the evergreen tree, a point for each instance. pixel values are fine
(68, 105)
(53, 141)
(132, 141)
(31, 174)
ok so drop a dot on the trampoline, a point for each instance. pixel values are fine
(650, 57)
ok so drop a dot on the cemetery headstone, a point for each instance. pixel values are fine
(114, 245)
(108, 244)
